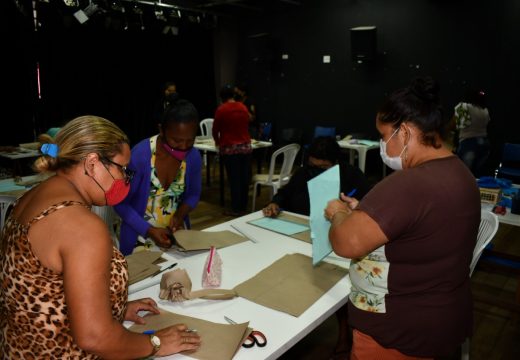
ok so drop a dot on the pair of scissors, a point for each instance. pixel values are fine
(254, 338)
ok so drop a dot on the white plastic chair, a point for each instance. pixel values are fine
(110, 217)
(486, 231)
(206, 127)
(276, 181)
(5, 202)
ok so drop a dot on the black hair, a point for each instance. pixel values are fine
(325, 148)
(242, 87)
(227, 92)
(167, 84)
(419, 104)
(179, 111)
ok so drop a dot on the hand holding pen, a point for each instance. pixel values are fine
(349, 199)
(345, 204)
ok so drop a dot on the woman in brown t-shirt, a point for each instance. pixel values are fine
(411, 238)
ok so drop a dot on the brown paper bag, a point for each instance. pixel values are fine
(189, 240)
(218, 341)
(142, 265)
(291, 284)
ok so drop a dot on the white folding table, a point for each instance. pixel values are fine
(241, 262)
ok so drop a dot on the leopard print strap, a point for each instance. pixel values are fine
(54, 208)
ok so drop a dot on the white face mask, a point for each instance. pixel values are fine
(395, 162)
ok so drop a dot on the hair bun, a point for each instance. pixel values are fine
(425, 88)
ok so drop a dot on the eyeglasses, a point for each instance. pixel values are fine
(127, 173)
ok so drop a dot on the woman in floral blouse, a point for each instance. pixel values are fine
(167, 182)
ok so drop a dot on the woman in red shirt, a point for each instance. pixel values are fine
(231, 134)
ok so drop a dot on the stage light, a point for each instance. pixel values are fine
(83, 15)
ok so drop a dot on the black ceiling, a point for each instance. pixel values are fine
(147, 12)
(235, 7)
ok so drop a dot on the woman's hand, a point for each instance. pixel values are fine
(177, 338)
(133, 308)
(335, 206)
(271, 210)
(351, 202)
(176, 223)
(160, 236)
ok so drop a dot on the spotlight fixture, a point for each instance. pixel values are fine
(159, 14)
(83, 15)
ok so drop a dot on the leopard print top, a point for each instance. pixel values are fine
(33, 312)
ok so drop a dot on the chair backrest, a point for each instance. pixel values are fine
(206, 126)
(289, 153)
(5, 202)
(324, 131)
(487, 229)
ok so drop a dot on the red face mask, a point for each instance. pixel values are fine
(117, 192)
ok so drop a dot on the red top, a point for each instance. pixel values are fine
(231, 124)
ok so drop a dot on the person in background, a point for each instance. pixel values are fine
(169, 95)
(230, 131)
(324, 153)
(241, 94)
(471, 119)
(167, 182)
(411, 238)
(63, 286)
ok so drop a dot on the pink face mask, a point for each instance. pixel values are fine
(177, 154)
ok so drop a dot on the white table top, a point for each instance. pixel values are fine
(208, 144)
(20, 153)
(11, 187)
(241, 262)
(508, 218)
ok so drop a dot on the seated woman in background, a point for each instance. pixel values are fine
(324, 153)
(63, 286)
(167, 182)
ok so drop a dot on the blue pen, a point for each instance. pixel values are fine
(149, 332)
(352, 192)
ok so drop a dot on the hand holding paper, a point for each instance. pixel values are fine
(322, 188)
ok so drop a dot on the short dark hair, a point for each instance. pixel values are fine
(180, 111)
(419, 104)
(325, 148)
(167, 84)
(242, 87)
(227, 92)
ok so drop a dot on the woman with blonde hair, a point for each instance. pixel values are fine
(63, 286)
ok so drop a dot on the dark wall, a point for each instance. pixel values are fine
(459, 43)
(99, 68)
